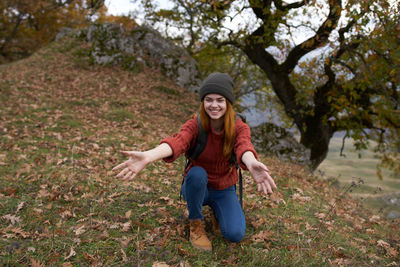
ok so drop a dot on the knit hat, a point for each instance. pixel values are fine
(218, 83)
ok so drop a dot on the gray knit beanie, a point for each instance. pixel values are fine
(218, 83)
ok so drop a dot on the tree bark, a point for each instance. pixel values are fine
(315, 133)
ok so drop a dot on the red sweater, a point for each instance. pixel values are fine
(221, 174)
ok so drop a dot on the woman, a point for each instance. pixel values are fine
(210, 179)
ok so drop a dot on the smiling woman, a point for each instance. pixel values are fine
(210, 178)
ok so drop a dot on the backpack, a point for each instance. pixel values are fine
(201, 142)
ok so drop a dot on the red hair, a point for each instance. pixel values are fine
(229, 127)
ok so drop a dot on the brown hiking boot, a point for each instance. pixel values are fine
(198, 236)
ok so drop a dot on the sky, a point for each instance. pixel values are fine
(119, 7)
(123, 7)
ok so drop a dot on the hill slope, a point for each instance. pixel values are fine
(62, 125)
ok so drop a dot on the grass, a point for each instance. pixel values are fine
(355, 166)
(60, 203)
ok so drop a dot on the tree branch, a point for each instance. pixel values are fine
(13, 32)
(259, 8)
(319, 39)
(279, 6)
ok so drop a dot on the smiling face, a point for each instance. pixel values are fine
(215, 106)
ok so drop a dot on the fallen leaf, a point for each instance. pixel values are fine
(126, 226)
(375, 219)
(67, 214)
(35, 263)
(128, 214)
(11, 191)
(299, 190)
(383, 244)
(277, 198)
(231, 260)
(80, 230)
(13, 219)
(297, 196)
(89, 258)
(124, 257)
(261, 236)
(20, 232)
(125, 241)
(104, 235)
(320, 215)
(71, 254)
(392, 252)
(370, 231)
(182, 251)
(159, 264)
(2, 159)
(43, 193)
(292, 247)
(167, 199)
(37, 210)
(20, 206)
(184, 264)
(31, 249)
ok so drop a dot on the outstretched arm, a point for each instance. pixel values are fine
(259, 172)
(138, 160)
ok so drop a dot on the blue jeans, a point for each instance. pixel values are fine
(224, 203)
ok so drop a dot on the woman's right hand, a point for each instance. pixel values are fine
(137, 161)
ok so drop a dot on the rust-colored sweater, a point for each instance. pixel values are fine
(221, 174)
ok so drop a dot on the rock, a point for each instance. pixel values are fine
(111, 44)
(105, 40)
(393, 215)
(64, 31)
(392, 199)
(174, 61)
(275, 141)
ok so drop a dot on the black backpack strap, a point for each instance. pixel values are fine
(240, 188)
(195, 150)
(242, 116)
(201, 142)
(238, 169)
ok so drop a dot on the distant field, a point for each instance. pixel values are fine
(352, 168)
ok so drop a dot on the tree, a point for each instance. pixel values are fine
(333, 64)
(26, 25)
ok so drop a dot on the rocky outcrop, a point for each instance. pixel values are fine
(392, 203)
(275, 141)
(112, 44)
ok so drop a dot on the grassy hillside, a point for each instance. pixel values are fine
(63, 123)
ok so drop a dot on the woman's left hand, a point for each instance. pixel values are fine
(260, 173)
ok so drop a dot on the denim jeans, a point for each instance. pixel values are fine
(224, 203)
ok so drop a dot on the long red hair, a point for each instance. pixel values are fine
(229, 127)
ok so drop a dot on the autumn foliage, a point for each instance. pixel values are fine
(27, 25)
